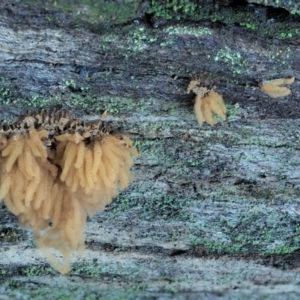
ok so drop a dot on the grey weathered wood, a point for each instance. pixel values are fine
(212, 211)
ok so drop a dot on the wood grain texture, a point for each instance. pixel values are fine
(213, 211)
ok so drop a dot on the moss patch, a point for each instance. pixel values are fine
(94, 11)
(280, 26)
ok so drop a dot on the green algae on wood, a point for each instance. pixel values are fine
(250, 18)
(95, 11)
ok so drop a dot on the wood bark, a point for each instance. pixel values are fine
(213, 211)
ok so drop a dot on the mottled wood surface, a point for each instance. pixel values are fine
(213, 211)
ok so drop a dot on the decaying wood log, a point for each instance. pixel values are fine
(213, 211)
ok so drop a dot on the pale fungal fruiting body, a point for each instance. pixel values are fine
(54, 171)
(207, 102)
(274, 87)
